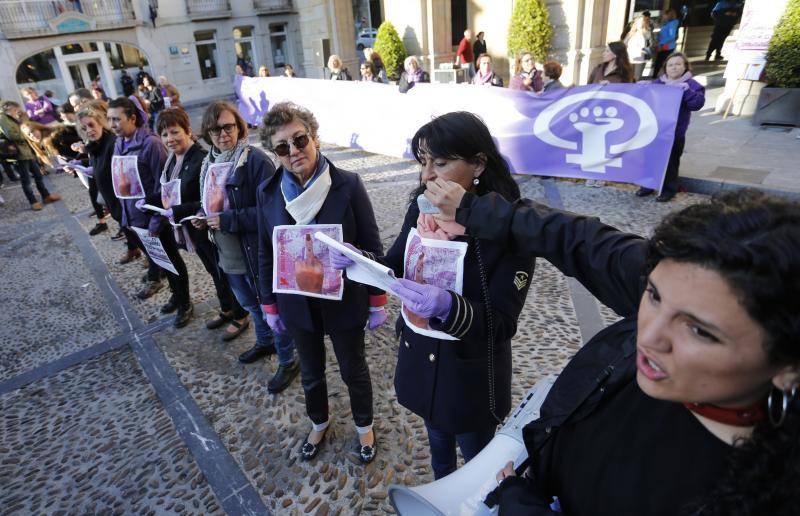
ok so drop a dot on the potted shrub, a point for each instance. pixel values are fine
(391, 49)
(529, 29)
(779, 102)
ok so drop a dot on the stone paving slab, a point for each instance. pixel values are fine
(94, 439)
(52, 305)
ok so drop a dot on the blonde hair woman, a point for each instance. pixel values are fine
(337, 71)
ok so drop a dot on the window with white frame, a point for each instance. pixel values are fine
(206, 44)
(246, 55)
(279, 44)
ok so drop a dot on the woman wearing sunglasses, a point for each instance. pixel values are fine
(234, 228)
(309, 189)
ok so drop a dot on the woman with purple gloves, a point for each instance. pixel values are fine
(135, 140)
(678, 72)
(460, 387)
(39, 109)
(309, 189)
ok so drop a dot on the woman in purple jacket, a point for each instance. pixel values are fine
(39, 109)
(677, 72)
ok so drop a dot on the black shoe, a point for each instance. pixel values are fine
(184, 315)
(367, 452)
(256, 353)
(283, 377)
(171, 305)
(118, 236)
(644, 192)
(98, 228)
(149, 290)
(665, 197)
(308, 451)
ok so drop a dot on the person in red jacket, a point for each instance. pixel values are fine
(464, 55)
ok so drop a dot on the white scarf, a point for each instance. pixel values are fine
(305, 207)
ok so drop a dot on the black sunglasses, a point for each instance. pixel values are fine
(299, 142)
(216, 130)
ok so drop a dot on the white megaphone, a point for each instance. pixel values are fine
(463, 491)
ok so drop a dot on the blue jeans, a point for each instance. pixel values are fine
(245, 291)
(443, 447)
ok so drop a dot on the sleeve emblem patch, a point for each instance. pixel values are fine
(520, 279)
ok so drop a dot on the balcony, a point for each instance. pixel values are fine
(32, 18)
(208, 9)
(272, 6)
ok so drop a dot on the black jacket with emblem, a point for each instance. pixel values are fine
(347, 204)
(447, 381)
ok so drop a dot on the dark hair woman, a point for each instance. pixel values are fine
(616, 67)
(231, 214)
(461, 389)
(688, 404)
(309, 189)
(485, 76)
(677, 72)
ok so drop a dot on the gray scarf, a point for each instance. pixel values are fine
(239, 152)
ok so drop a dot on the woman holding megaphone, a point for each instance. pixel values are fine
(688, 405)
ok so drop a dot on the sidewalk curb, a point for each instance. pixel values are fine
(711, 187)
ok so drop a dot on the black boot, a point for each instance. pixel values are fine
(171, 305)
(283, 377)
(256, 353)
(184, 315)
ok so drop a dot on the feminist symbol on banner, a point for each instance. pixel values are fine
(595, 124)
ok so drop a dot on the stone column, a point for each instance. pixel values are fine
(331, 20)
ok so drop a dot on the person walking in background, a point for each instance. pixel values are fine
(412, 74)
(170, 94)
(667, 39)
(336, 70)
(464, 56)
(485, 75)
(637, 42)
(526, 76)
(677, 72)
(38, 108)
(26, 165)
(615, 66)
(552, 74)
(478, 48)
(127, 83)
(725, 14)
(152, 95)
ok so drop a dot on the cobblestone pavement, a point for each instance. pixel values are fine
(105, 408)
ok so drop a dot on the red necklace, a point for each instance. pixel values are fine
(742, 416)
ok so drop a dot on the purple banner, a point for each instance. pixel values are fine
(616, 132)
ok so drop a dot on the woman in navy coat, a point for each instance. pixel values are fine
(309, 189)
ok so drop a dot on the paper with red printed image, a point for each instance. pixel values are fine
(432, 262)
(125, 177)
(301, 263)
(214, 197)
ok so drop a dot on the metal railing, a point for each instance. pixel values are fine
(22, 18)
(272, 5)
(208, 8)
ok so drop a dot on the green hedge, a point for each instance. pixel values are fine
(391, 49)
(783, 55)
(530, 29)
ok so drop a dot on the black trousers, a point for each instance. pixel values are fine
(8, 168)
(99, 209)
(661, 57)
(671, 177)
(27, 168)
(178, 283)
(718, 37)
(207, 252)
(349, 349)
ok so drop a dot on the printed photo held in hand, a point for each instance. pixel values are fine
(432, 262)
(155, 251)
(214, 198)
(301, 263)
(360, 269)
(125, 177)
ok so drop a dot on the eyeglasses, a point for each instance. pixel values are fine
(228, 128)
(299, 143)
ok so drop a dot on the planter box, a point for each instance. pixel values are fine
(778, 106)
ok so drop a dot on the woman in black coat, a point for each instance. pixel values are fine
(94, 124)
(689, 404)
(184, 163)
(309, 189)
(462, 387)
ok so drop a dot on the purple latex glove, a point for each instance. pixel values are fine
(339, 261)
(155, 225)
(427, 301)
(169, 214)
(275, 323)
(377, 317)
(139, 203)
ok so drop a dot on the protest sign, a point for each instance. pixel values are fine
(613, 132)
(155, 251)
(214, 197)
(301, 264)
(125, 177)
(432, 262)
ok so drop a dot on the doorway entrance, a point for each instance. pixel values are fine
(83, 73)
